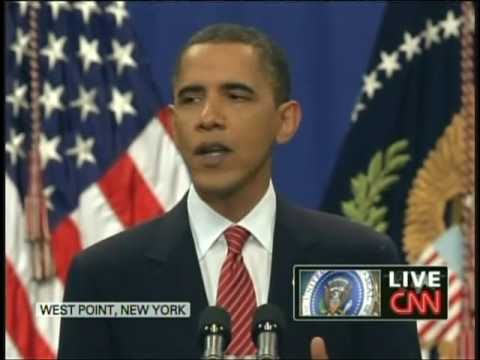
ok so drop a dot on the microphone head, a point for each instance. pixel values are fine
(268, 317)
(214, 320)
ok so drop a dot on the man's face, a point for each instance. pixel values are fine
(225, 118)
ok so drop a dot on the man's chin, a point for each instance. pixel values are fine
(216, 186)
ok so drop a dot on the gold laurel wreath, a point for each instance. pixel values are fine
(439, 181)
(367, 188)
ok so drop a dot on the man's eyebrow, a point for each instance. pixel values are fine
(238, 86)
(190, 89)
(226, 87)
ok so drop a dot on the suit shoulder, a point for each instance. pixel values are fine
(127, 244)
(342, 237)
(335, 224)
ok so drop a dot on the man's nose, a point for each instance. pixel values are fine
(212, 115)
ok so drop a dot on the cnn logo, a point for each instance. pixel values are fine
(417, 293)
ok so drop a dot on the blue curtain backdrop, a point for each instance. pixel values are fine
(328, 45)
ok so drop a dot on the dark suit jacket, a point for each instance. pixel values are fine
(157, 262)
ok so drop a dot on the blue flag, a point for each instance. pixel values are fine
(401, 166)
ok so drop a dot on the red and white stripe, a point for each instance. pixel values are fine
(146, 181)
(236, 293)
(434, 331)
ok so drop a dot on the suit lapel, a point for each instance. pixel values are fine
(174, 266)
(282, 256)
(175, 254)
(287, 250)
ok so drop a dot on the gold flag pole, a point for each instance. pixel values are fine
(36, 212)
(466, 348)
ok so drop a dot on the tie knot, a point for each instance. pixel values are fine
(236, 237)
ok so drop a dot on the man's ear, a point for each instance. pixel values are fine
(290, 114)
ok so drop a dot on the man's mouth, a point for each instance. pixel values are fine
(212, 154)
(212, 149)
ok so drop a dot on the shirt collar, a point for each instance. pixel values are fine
(208, 225)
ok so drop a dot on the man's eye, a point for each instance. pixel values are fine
(189, 99)
(238, 97)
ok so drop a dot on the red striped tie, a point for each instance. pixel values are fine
(236, 293)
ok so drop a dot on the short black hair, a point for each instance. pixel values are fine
(271, 55)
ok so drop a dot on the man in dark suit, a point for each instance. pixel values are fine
(231, 241)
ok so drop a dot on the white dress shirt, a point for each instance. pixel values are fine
(208, 227)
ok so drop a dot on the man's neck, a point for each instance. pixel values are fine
(236, 204)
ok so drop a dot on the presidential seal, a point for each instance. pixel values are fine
(341, 293)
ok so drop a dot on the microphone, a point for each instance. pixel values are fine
(214, 332)
(267, 329)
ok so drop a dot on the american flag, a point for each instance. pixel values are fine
(434, 331)
(107, 158)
